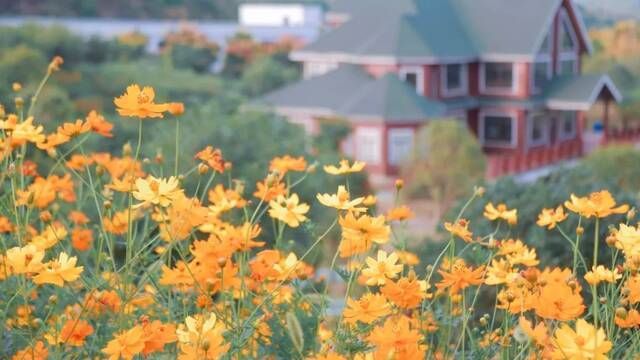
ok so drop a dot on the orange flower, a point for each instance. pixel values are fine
(58, 271)
(176, 108)
(599, 204)
(628, 319)
(99, 124)
(368, 309)
(501, 212)
(73, 333)
(559, 301)
(406, 293)
(550, 217)
(358, 234)
(71, 129)
(126, 344)
(212, 157)
(98, 303)
(35, 352)
(459, 276)
(396, 339)
(119, 223)
(460, 229)
(287, 163)
(5, 225)
(78, 218)
(157, 336)
(81, 239)
(78, 162)
(136, 102)
(267, 191)
(400, 213)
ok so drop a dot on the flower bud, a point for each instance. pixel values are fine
(46, 216)
(222, 261)
(127, 149)
(16, 86)
(579, 230)
(611, 241)
(621, 313)
(19, 102)
(631, 214)
(107, 204)
(203, 169)
(399, 184)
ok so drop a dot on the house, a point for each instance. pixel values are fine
(509, 69)
(281, 15)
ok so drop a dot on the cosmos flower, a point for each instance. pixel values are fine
(136, 102)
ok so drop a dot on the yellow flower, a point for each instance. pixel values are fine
(344, 167)
(22, 260)
(201, 338)
(368, 309)
(586, 342)
(599, 204)
(27, 132)
(359, 233)
(126, 344)
(139, 103)
(600, 273)
(500, 272)
(341, 200)
(382, 268)
(58, 271)
(500, 212)
(628, 239)
(517, 252)
(289, 210)
(287, 266)
(154, 191)
(51, 235)
(550, 217)
(460, 229)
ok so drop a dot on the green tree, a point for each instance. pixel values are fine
(446, 163)
(266, 74)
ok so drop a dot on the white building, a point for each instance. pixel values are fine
(283, 15)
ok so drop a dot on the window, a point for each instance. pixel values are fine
(400, 145)
(497, 130)
(567, 67)
(454, 79)
(538, 129)
(368, 145)
(498, 75)
(541, 73)
(567, 36)
(414, 75)
(545, 48)
(567, 126)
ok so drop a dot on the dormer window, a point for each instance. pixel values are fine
(414, 75)
(454, 79)
(497, 77)
(567, 46)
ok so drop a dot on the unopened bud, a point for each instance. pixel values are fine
(222, 261)
(399, 184)
(203, 169)
(19, 101)
(483, 321)
(107, 204)
(579, 230)
(611, 241)
(621, 313)
(127, 149)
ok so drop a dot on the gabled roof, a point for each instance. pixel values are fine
(386, 31)
(578, 92)
(350, 92)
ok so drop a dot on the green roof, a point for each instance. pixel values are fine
(578, 92)
(350, 92)
(437, 29)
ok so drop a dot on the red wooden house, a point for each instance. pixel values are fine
(510, 69)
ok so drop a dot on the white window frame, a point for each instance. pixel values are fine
(499, 90)
(543, 56)
(495, 113)
(375, 158)
(403, 133)
(566, 55)
(562, 136)
(539, 60)
(464, 81)
(419, 71)
(546, 138)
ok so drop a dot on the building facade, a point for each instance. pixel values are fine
(511, 70)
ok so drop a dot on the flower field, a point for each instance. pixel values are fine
(105, 255)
